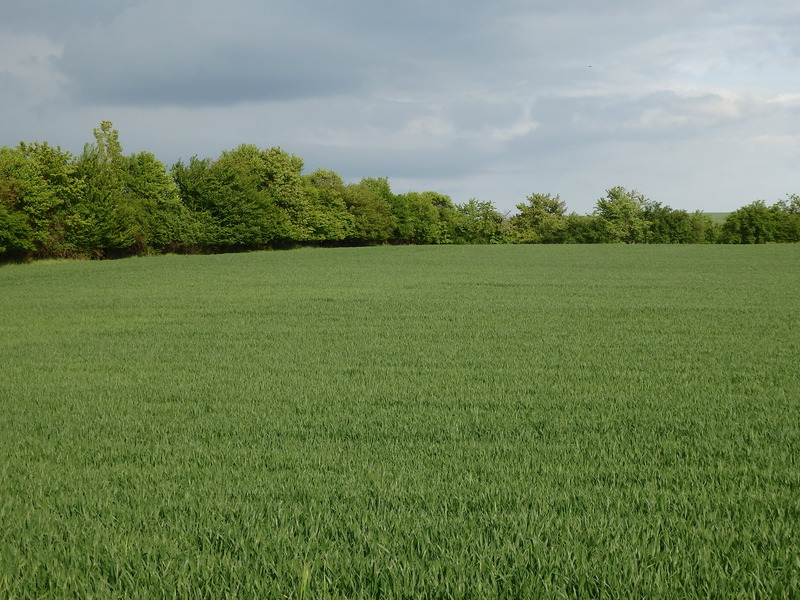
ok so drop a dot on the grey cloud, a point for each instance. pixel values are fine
(396, 163)
(656, 116)
(166, 57)
(478, 115)
(59, 19)
(496, 95)
(214, 75)
(388, 115)
(191, 53)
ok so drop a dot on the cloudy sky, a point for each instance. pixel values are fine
(695, 103)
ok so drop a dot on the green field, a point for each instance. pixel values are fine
(403, 422)
(718, 217)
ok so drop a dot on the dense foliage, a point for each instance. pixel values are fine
(433, 422)
(106, 203)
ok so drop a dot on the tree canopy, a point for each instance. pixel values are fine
(105, 203)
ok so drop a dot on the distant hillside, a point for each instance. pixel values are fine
(717, 217)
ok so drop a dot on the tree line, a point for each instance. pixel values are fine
(103, 203)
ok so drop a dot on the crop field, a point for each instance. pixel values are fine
(403, 422)
(718, 217)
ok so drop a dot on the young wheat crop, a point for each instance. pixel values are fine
(397, 422)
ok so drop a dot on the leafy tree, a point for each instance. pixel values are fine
(447, 218)
(198, 190)
(700, 228)
(193, 182)
(242, 205)
(755, 223)
(128, 204)
(664, 224)
(621, 216)
(52, 189)
(162, 220)
(791, 205)
(329, 219)
(789, 228)
(583, 229)
(248, 197)
(369, 203)
(39, 185)
(669, 226)
(103, 219)
(540, 220)
(479, 223)
(15, 231)
(420, 218)
(286, 190)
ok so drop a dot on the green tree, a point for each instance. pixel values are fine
(248, 197)
(194, 182)
(670, 226)
(242, 205)
(421, 218)
(52, 190)
(286, 190)
(621, 216)
(39, 182)
(584, 229)
(540, 221)
(447, 218)
(789, 227)
(755, 223)
(128, 204)
(329, 219)
(479, 223)
(162, 220)
(103, 220)
(198, 190)
(700, 228)
(16, 235)
(369, 203)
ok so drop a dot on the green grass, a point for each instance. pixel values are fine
(403, 422)
(718, 217)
